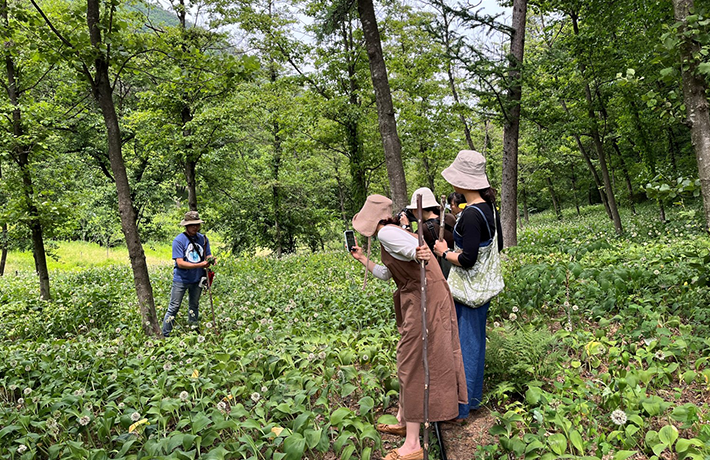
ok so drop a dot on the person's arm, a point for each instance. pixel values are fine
(185, 265)
(378, 271)
(402, 246)
(469, 225)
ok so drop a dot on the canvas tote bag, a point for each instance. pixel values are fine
(477, 285)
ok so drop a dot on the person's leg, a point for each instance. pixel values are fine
(479, 329)
(468, 351)
(411, 444)
(193, 314)
(177, 292)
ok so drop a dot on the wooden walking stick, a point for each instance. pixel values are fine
(425, 334)
(442, 223)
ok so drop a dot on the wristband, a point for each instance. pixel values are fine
(443, 255)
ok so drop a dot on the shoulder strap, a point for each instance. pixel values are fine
(195, 243)
(492, 234)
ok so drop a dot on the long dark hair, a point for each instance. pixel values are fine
(488, 194)
(390, 220)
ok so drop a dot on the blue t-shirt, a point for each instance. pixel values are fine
(184, 249)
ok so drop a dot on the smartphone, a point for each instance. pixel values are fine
(349, 239)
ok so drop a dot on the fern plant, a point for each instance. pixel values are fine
(517, 356)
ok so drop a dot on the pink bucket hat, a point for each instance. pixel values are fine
(375, 209)
(468, 171)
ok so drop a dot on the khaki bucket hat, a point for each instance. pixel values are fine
(191, 218)
(428, 199)
(375, 209)
(468, 171)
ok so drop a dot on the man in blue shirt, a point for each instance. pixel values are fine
(192, 255)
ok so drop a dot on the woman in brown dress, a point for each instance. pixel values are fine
(447, 386)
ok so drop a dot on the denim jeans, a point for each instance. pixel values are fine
(472, 334)
(176, 295)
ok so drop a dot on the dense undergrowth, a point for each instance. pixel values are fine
(598, 348)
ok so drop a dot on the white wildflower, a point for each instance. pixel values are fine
(660, 355)
(200, 338)
(83, 421)
(21, 449)
(618, 417)
(27, 391)
(264, 389)
(135, 416)
(167, 366)
(184, 396)
(515, 309)
(513, 316)
(255, 397)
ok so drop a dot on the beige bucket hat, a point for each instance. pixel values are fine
(191, 218)
(468, 171)
(428, 199)
(375, 209)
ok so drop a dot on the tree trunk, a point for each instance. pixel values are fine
(555, 202)
(696, 104)
(275, 172)
(21, 154)
(574, 189)
(590, 165)
(190, 161)
(103, 93)
(186, 117)
(509, 183)
(351, 122)
(627, 177)
(598, 142)
(385, 109)
(3, 242)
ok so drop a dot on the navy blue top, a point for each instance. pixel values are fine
(473, 230)
(184, 249)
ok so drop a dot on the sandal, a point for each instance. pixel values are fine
(416, 455)
(391, 429)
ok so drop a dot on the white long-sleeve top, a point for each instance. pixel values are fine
(399, 243)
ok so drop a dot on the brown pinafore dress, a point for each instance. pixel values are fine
(447, 379)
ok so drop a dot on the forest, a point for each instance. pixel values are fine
(275, 120)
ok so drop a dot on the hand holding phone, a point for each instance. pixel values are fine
(350, 242)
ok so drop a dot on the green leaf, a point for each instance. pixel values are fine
(668, 435)
(294, 446)
(347, 452)
(339, 415)
(704, 68)
(533, 395)
(366, 404)
(218, 453)
(313, 437)
(200, 422)
(624, 454)
(9, 429)
(577, 442)
(558, 443)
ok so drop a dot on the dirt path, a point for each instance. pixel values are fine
(460, 441)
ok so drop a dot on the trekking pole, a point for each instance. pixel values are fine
(437, 429)
(425, 334)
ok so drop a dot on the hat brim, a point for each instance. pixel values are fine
(185, 223)
(456, 178)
